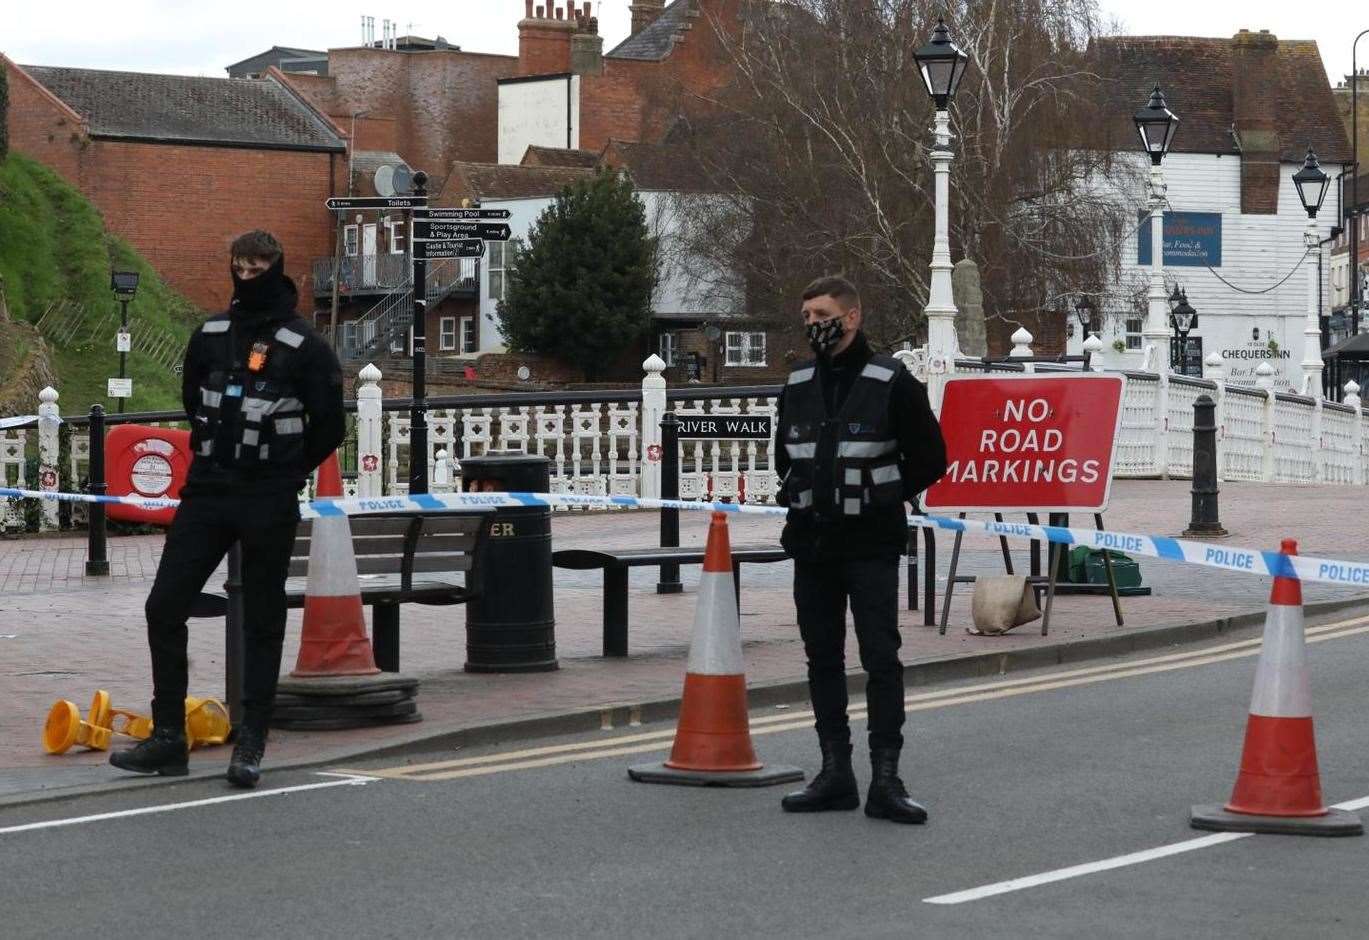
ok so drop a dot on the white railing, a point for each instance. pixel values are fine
(608, 443)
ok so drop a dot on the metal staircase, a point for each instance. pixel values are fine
(384, 329)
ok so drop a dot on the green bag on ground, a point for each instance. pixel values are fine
(1086, 567)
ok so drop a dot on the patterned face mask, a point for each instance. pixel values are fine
(824, 335)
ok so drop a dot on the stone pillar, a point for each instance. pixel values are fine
(370, 418)
(968, 296)
(653, 409)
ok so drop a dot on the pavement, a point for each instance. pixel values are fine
(1058, 803)
(64, 635)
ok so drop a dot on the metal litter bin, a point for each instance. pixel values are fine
(511, 624)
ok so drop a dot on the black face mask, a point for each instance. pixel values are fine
(824, 335)
(259, 293)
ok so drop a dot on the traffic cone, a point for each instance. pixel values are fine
(713, 737)
(333, 640)
(1278, 788)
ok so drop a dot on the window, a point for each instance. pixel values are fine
(745, 349)
(349, 240)
(1134, 332)
(469, 343)
(495, 265)
(396, 229)
(667, 348)
(446, 334)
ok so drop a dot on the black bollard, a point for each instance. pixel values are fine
(234, 640)
(669, 582)
(1204, 523)
(97, 548)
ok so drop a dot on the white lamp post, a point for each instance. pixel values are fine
(942, 66)
(1156, 125)
(1311, 184)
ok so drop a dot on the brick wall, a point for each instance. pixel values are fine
(42, 127)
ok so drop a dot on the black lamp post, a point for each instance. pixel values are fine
(1083, 312)
(1312, 183)
(1183, 319)
(1356, 287)
(1156, 124)
(125, 287)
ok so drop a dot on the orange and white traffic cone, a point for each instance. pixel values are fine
(1278, 788)
(713, 737)
(333, 641)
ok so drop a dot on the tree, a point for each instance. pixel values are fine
(581, 290)
(820, 147)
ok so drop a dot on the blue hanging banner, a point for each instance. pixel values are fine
(1191, 240)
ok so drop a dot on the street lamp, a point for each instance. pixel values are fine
(125, 287)
(1311, 183)
(1183, 318)
(1357, 288)
(1156, 124)
(942, 66)
(1083, 312)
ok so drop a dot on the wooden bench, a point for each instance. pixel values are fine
(422, 559)
(615, 565)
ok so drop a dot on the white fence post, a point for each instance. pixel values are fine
(370, 465)
(1093, 348)
(1022, 348)
(1352, 400)
(1265, 380)
(1317, 442)
(1214, 370)
(1162, 423)
(653, 409)
(49, 448)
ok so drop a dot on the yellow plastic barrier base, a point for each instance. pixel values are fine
(206, 723)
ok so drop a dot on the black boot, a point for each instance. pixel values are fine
(887, 798)
(834, 787)
(244, 769)
(164, 753)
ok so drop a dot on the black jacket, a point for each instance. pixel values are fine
(921, 458)
(314, 372)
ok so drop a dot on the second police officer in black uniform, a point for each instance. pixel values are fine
(263, 393)
(857, 439)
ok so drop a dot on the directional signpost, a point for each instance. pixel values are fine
(439, 233)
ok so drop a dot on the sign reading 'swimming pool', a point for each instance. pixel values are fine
(1191, 239)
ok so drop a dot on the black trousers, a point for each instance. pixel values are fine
(822, 590)
(205, 527)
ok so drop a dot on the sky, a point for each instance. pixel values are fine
(197, 38)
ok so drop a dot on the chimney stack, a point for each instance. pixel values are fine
(544, 38)
(643, 12)
(1254, 100)
(586, 45)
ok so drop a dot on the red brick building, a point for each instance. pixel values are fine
(180, 165)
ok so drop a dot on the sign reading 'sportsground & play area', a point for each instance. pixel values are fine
(1191, 239)
(725, 427)
(1028, 443)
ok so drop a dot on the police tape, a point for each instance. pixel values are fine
(1222, 557)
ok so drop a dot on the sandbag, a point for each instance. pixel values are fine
(1001, 602)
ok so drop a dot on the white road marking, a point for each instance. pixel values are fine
(191, 804)
(1107, 864)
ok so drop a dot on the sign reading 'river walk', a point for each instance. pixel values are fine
(1028, 443)
(725, 427)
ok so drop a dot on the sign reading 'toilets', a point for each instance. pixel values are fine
(1028, 443)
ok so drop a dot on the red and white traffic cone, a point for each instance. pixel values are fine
(333, 640)
(713, 737)
(1278, 788)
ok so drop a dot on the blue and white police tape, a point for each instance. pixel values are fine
(1223, 557)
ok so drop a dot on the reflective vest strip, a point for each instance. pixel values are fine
(877, 372)
(851, 506)
(888, 474)
(215, 326)
(290, 426)
(286, 406)
(865, 448)
(804, 500)
(801, 451)
(290, 337)
(210, 399)
(853, 476)
(251, 437)
(800, 375)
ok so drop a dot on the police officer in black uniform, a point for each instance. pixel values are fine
(856, 439)
(263, 393)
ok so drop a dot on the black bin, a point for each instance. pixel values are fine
(511, 625)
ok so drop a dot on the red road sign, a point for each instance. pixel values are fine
(1028, 443)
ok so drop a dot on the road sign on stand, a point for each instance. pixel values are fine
(489, 231)
(376, 202)
(462, 248)
(1028, 443)
(447, 214)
